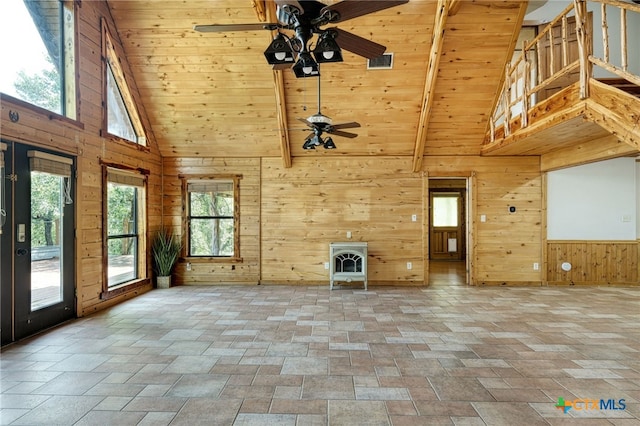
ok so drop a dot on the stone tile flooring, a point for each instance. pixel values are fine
(283, 355)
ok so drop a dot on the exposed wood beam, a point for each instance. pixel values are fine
(281, 103)
(454, 7)
(285, 146)
(259, 7)
(430, 82)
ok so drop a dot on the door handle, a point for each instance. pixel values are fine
(22, 252)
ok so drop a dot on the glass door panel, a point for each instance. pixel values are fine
(46, 245)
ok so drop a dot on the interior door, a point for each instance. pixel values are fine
(446, 225)
(38, 286)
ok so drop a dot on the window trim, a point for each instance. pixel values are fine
(142, 268)
(110, 60)
(186, 179)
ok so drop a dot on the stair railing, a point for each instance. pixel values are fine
(524, 76)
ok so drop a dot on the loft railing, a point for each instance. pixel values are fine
(550, 58)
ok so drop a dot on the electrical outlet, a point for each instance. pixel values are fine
(326, 265)
(536, 266)
(414, 218)
(348, 234)
(188, 266)
(409, 265)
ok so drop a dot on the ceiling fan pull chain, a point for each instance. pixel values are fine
(318, 88)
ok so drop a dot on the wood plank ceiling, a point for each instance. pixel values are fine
(213, 94)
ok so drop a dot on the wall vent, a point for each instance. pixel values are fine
(383, 62)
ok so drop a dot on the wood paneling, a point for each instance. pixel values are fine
(318, 201)
(507, 244)
(593, 262)
(82, 138)
(212, 93)
(219, 271)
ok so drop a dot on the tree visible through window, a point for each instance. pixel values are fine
(38, 49)
(121, 115)
(125, 226)
(212, 218)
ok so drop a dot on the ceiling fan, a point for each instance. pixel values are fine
(320, 123)
(305, 18)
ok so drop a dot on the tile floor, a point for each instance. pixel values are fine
(283, 355)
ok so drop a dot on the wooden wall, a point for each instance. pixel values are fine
(82, 138)
(504, 247)
(320, 199)
(593, 262)
(219, 271)
(290, 215)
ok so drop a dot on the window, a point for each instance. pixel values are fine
(125, 224)
(38, 50)
(445, 209)
(213, 217)
(122, 118)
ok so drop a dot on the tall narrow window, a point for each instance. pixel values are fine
(122, 119)
(38, 49)
(212, 217)
(125, 225)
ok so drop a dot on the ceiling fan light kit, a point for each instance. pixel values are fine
(306, 18)
(305, 66)
(279, 52)
(327, 50)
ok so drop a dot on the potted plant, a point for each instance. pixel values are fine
(166, 248)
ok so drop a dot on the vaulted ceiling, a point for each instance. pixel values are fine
(213, 94)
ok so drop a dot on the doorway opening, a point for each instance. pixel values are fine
(448, 231)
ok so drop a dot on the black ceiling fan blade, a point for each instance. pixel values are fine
(349, 9)
(341, 133)
(358, 45)
(350, 125)
(220, 28)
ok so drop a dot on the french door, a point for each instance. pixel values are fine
(37, 240)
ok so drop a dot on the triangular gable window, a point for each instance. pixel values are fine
(118, 120)
(122, 119)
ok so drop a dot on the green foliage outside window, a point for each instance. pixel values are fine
(212, 223)
(121, 220)
(46, 198)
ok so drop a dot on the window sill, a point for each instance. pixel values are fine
(126, 142)
(124, 288)
(199, 259)
(51, 115)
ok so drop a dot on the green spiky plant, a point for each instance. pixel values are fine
(166, 249)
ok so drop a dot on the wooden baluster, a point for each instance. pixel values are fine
(565, 42)
(605, 32)
(525, 86)
(552, 55)
(580, 7)
(507, 101)
(623, 38)
(492, 129)
(539, 74)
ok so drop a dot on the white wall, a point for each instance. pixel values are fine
(593, 202)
